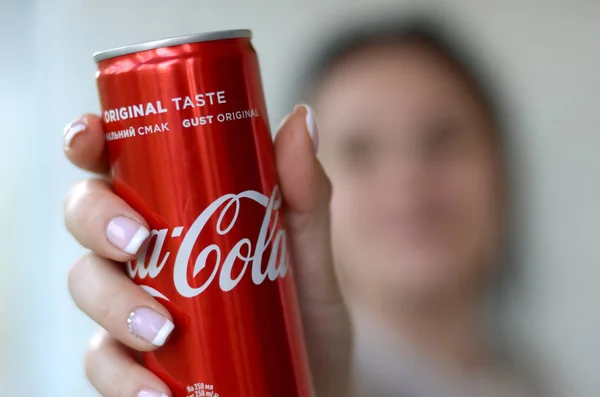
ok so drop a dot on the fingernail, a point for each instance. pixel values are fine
(311, 125)
(150, 326)
(126, 234)
(151, 393)
(72, 130)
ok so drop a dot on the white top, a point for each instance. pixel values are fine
(387, 369)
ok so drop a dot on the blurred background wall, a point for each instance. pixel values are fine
(544, 54)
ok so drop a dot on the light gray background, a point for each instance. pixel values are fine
(546, 54)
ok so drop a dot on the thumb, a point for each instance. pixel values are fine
(306, 191)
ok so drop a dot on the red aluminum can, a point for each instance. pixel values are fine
(190, 149)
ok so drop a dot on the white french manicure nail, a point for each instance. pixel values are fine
(311, 125)
(150, 326)
(72, 130)
(126, 234)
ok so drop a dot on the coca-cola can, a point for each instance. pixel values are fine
(190, 149)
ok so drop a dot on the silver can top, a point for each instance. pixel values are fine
(173, 41)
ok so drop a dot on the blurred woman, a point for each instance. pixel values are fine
(393, 264)
(412, 142)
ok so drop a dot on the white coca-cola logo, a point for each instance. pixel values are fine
(211, 260)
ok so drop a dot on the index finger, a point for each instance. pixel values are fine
(84, 144)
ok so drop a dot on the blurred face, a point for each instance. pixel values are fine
(416, 184)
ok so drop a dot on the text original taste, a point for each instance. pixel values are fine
(157, 107)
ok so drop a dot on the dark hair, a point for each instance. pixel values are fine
(420, 30)
(437, 36)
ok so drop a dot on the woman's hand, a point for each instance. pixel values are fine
(113, 232)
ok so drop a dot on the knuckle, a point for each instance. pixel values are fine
(70, 202)
(92, 352)
(81, 202)
(100, 353)
(91, 289)
(76, 272)
(113, 313)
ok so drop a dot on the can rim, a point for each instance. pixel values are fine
(172, 41)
